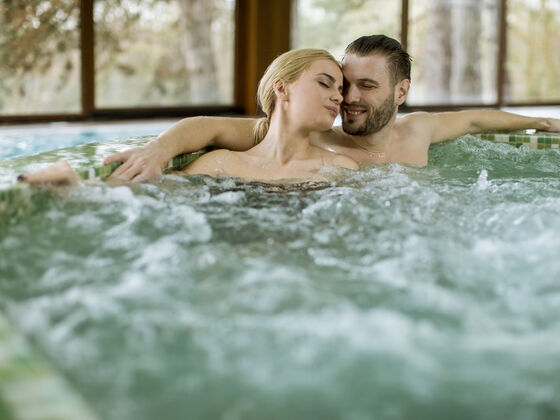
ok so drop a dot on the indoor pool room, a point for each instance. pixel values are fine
(280, 209)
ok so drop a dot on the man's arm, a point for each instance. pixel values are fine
(188, 135)
(450, 125)
(58, 173)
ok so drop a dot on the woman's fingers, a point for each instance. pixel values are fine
(138, 164)
(148, 172)
(126, 171)
(137, 167)
(127, 158)
(124, 167)
(118, 157)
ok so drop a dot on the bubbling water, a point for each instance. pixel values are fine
(395, 292)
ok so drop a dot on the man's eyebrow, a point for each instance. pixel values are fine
(366, 80)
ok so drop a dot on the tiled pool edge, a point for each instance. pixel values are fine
(536, 141)
(30, 389)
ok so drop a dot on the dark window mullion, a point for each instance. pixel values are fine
(87, 46)
(404, 24)
(502, 52)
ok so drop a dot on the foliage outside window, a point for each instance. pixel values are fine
(533, 59)
(163, 53)
(333, 24)
(148, 53)
(39, 57)
(454, 44)
(160, 53)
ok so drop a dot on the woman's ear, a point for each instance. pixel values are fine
(281, 89)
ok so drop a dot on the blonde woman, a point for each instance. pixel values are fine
(300, 92)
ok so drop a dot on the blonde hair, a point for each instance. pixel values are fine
(287, 67)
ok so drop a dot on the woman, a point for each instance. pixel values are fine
(300, 92)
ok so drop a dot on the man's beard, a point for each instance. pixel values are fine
(376, 119)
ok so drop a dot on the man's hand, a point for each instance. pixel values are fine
(551, 124)
(138, 164)
(58, 173)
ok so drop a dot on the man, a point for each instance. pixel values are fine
(377, 80)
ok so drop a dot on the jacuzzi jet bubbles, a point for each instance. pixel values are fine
(393, 290)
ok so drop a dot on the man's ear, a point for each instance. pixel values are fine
(401, 91)
(280, 89)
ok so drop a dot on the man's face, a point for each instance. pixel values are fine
(369, 95)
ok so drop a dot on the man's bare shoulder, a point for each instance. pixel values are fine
(416, 127)
(415, 119)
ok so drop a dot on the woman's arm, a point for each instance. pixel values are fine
(188, 135)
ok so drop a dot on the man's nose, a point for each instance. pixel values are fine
(351, 94)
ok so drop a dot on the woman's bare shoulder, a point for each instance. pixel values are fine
(214, 163)
(337, 159)
(344, 162)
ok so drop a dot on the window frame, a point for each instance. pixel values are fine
(262, 32)
(89, 111)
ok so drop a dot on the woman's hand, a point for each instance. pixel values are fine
(58, 173)
(138, 164)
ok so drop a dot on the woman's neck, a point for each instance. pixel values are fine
(284, 140)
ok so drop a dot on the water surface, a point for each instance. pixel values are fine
(396, 292)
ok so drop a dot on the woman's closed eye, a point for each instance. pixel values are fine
(324, 84)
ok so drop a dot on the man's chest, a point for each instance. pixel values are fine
(398, 152)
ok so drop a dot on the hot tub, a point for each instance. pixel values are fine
(393, 292)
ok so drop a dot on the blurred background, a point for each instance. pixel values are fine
(82, 60)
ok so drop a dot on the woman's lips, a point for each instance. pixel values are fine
(333, 110)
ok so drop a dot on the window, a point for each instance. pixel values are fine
(163, 53)
(465, 52)
(333, 24)
(39, 57)
(148, 54)
(533, 62)
(454, 49)
(78, 59)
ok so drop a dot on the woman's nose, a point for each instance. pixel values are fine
(337, 98)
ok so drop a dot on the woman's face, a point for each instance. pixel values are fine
(315, 98)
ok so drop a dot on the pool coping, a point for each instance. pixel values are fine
(535, 140)
(30, 388)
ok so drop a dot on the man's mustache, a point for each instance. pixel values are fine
(358, 105)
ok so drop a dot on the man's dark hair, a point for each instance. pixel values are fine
(398, 60)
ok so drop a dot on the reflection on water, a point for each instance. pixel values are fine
(396, 293)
